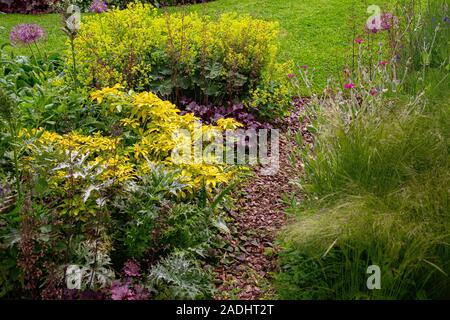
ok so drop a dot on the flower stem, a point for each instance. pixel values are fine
(32, 53)
(74, 61)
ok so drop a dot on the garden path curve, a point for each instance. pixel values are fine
(260, 215)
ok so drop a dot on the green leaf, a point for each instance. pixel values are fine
(41, 185)
(220, 224)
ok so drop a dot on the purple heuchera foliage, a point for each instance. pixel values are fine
(98, 6)
(125, 291)
(74, 294)
(131, 269)
(121, 291)
(26, 34)
(140, 293)
(209, 114)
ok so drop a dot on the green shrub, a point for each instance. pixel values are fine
(151, 219)
(176, 55)
(271, 99)
(179, 277)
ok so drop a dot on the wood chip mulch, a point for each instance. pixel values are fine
(260, 215)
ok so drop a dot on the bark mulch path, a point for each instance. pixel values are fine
(260, 215)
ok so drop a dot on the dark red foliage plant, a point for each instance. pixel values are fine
(28, 257)
(26, 6)
(209, 114)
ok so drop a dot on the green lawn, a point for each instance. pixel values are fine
(317, 33)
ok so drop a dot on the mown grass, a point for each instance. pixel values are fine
(317, 33)
(378, 195)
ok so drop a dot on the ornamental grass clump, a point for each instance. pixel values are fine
(376, 181)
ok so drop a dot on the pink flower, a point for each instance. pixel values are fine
(383, 63)
(349, 86)
(291, 75)
(26, 34)
(304, 67)
(359, 40)
(373, 92)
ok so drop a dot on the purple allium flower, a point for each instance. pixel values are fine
(26, 34)
(304, 67)
(291, 75)
(446, 19)
(349, 86)
(388, 20)
(98, 6)
(131, 269)
(359, 40)
(373, 26)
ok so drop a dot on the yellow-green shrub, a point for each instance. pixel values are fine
(175, 54)
(103, 160)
